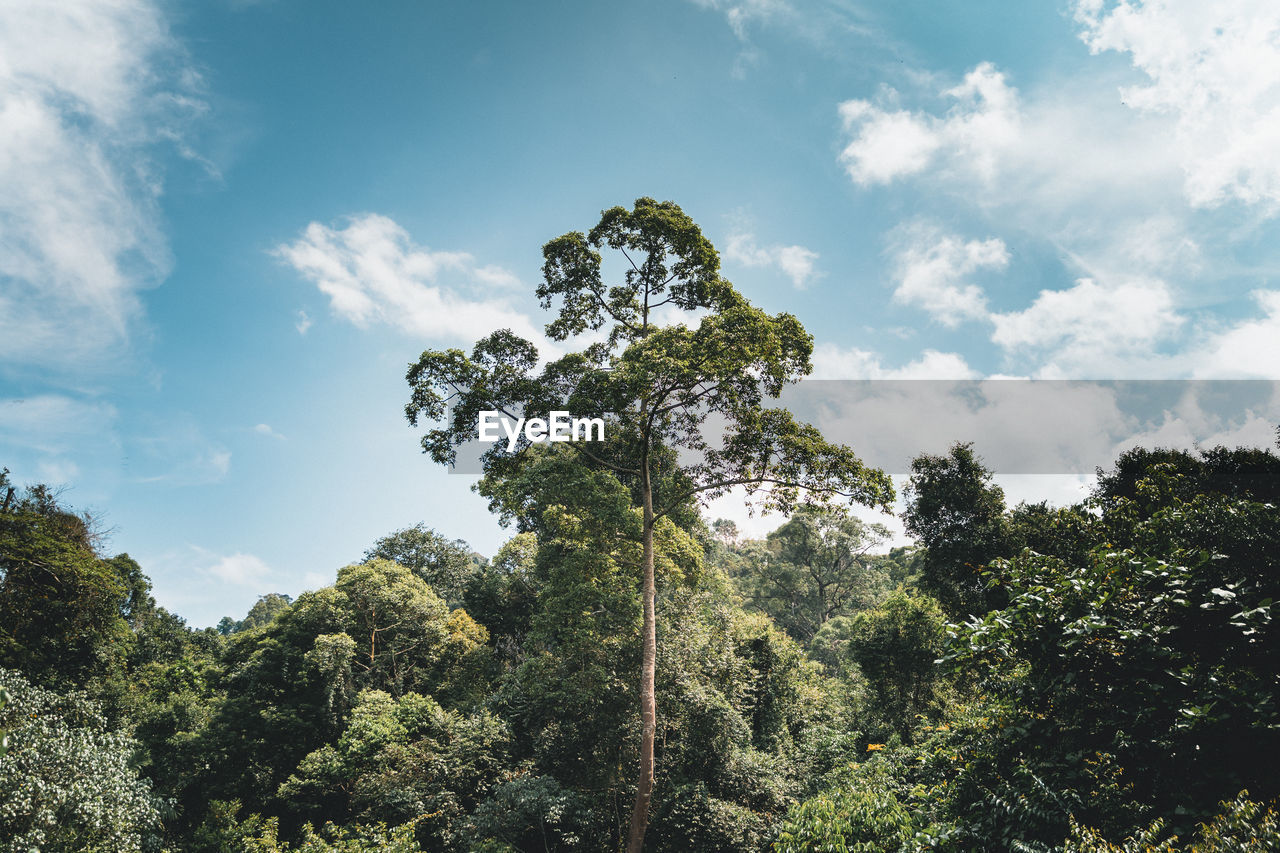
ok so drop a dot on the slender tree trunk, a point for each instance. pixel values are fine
(648, 665)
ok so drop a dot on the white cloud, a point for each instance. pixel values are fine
(304, 322)
(931, 268)
(175, 451)
(1069, 166)
(824, 27)
(795, 262)
(372, 272)
(887, 144)
(496, 276)
(240, 569)
(1089, 329)
(51, 438)
(1251, 348)
(265, 429)
(1214, 67)
(1109, 189)
(831, 361)
(85, 89)
(53, 424)
(741, 14)
(984, 121)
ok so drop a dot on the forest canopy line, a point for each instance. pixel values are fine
(625, 673)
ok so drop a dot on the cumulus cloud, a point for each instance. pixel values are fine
(1089, 329)
(931, 268)
(1123, 218)
(373, 272)
(1072, 167)
(1214, 67)
(86, 89)
(1251, 348)
(984, 121)
(795, 262)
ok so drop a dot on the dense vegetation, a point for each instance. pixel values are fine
(1099, 677)
(1105, 672)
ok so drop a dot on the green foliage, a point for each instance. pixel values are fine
(265, 609)
(692, 818)
(1240, 473)
(400, 760)
(659, 390)
(813, 568)
(1138, 679)
(740, 703)
(446, 565)
(67, 782)
(958, 515)
(532, 813)
(503, 594)
(62, 607)
(1242, 826)
(258, 835)
(290, 685)
(865, 818)
(1189, 633)
(895, 646)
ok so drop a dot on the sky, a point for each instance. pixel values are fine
(227, 227)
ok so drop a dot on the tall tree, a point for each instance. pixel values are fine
(657, 387)
(957, 513)
(814, 567)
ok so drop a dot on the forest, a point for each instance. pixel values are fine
(626, 673)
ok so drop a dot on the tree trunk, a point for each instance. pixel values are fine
(648, 665)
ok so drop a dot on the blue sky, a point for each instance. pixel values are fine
(226, 227)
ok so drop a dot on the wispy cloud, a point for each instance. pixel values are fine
(265, 429)
(240, 569)
(86, 89)
(743, 16)
(831, 361)
(53, 438)
(373, 272)
(1072, 168)
(795, 262)
(175, 451)
(825, 26)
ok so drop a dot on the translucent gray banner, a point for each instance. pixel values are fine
(1021, 426)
